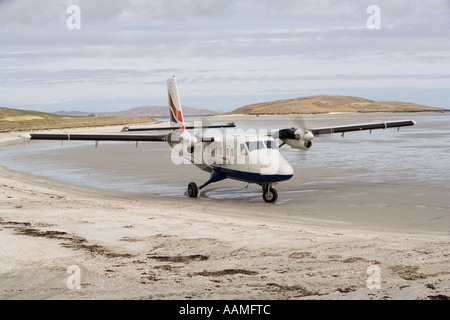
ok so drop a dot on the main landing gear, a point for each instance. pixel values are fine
(192, 190)
(269, 192)
(216, 175)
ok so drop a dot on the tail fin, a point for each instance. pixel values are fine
(176, 114)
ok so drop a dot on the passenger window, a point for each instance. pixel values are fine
(243, 150)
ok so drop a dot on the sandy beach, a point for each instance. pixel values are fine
(63, 241)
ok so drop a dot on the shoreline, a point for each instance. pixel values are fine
(180, 248)
(327, 113)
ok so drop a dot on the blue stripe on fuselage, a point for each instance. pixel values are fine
(246, 176)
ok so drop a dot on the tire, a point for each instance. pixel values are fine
(192, 190)
(270, 195)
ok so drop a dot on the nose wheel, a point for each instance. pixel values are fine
(269, 193)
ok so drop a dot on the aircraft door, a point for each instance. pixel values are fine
(229, 154)
(242, 155)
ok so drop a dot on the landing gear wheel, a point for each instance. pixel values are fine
(192, 190)
(270, 194)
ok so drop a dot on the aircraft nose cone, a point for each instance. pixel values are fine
(284, 168)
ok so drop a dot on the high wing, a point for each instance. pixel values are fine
(176, 137)
(301, 138)
(309, 134)
(93, 137)
(360, 127)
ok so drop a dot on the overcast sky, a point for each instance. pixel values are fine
(224, 53)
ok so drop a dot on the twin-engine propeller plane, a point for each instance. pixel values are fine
(249, 157)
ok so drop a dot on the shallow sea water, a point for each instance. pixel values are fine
(388, 176)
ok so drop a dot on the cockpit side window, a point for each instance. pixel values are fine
(271, 144)
(255, 145)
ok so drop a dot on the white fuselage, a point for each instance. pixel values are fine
(254, 159)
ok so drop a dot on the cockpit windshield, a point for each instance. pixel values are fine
(259, 144)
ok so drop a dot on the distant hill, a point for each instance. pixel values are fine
(145, 111)
(21, 120)
(327, 104)
(8, 114)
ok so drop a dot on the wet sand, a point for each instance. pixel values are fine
(155, 247)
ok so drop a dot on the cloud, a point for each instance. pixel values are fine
(244, 48)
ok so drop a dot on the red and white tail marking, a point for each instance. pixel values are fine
(175, 111)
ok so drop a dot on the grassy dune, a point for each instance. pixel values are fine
(327, 104)
(25, 120)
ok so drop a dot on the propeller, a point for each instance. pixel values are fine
(298, 132)
(298, 136)
(302, 132)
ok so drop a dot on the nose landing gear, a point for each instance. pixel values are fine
(269, 193)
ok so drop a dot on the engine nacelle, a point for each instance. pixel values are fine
(182, 137)
(296, 138)
(304, 134)
(188, 139)
(298, 144)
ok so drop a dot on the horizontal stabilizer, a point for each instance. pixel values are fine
(228, 125)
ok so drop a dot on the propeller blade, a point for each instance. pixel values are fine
(299, 132)
(286, 133)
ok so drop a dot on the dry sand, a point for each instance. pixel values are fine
(181, 248)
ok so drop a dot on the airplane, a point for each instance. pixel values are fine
(251, 157)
